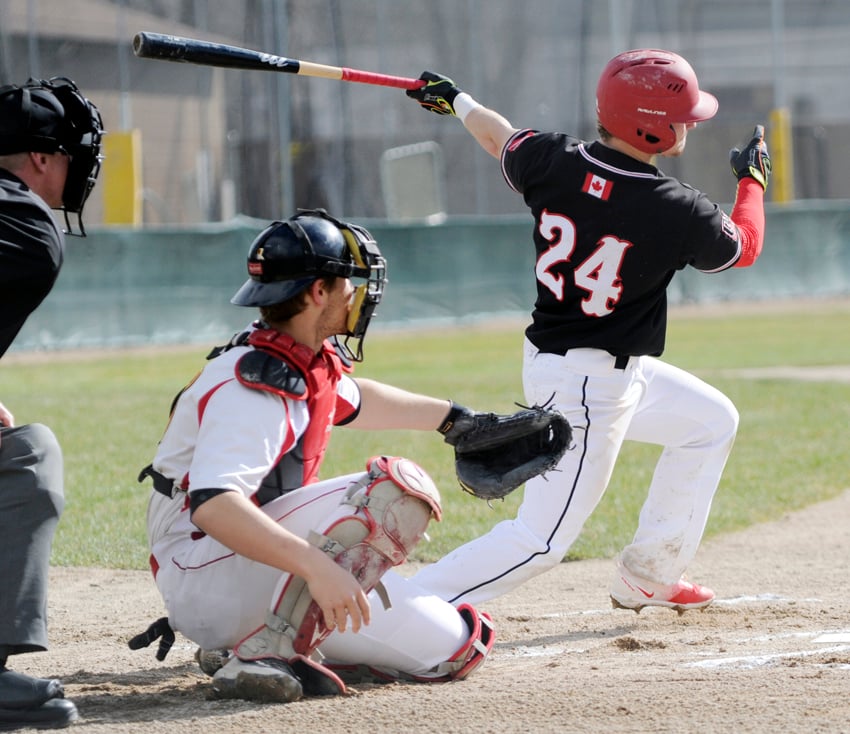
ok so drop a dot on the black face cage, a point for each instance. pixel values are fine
(84, 124)
(367, 257)
(367, 264)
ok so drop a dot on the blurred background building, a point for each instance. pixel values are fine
(193, 144)
(200, 159)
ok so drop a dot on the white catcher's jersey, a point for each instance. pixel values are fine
(219, 424)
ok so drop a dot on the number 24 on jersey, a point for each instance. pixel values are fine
(598, 274)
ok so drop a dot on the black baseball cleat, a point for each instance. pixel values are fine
(34, 703)
(57, 713)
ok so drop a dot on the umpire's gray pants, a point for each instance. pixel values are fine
(31, 501)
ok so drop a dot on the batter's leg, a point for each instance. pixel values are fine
(696, 424)
(598, 400)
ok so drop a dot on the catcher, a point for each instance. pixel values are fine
(283, 580)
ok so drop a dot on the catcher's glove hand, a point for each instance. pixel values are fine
(495, 454)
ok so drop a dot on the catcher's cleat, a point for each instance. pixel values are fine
(633, 592)
(269, 680)
(211, 661)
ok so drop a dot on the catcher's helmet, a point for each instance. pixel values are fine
(641, 92)
(286, 257)
(49, 116)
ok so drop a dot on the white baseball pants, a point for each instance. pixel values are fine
(215, 598)
(648, 401)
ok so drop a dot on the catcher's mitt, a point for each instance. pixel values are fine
(495, 454)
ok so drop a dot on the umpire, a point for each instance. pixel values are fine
(49, 159)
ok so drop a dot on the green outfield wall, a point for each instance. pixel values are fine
(173, 285)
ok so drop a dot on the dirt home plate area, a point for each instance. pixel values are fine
(772, 654)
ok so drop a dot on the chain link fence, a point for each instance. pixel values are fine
(221, 142)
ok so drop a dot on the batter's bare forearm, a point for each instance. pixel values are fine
(489, 129)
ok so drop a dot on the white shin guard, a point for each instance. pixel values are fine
(393, 502)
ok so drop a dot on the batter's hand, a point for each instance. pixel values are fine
(753, 161)
(438, 95)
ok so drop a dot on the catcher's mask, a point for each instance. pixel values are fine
(52, 116)
(641, 92)
(286, 257)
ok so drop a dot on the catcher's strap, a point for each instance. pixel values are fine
(462, 664)
(495, 454)
(472, 655)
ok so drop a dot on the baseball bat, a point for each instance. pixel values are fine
(191, 50)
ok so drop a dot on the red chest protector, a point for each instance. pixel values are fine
(281, 365)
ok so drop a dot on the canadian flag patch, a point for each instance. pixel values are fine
(597, 186)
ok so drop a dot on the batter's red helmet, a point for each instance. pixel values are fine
(641, 92)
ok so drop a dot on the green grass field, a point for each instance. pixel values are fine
(108, 411)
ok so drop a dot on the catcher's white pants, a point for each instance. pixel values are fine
(648, 401)
(215, 597)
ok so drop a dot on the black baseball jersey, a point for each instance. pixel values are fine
(31, 254)
(610, 232)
